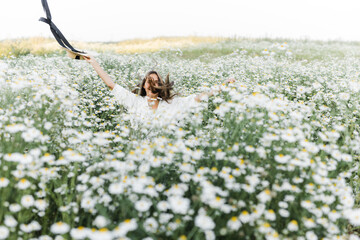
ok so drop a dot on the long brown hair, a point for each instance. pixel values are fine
(164, 88)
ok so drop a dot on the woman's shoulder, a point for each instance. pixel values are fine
(182, 100)
(174, 99)
(120, 89)
(125, 96)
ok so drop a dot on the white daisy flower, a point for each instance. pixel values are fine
(14, 128)
(165, 217)
(311, 236)
(333, 229)
(151, 225)
(80, 232)
(309, 223)
(116, 188)
(48, 125)
(126, 226)
(100, 221)
(23, 184)
(10, 221)
(103, 234)
(4, 182)
(45, 237)
(354, 237)
(41, 204)
(250, 149)
(264, 196)
(270, 215)
(284, 213)
(293, 226)
(204, 222)
(344, 96)
(163, 206)
(14, 207)
(143, 205)
(353, 216)
(245, 217)
(27, 201)
(234, 223)
(88, 203)
(59, 228)
(179, 204)
(281, 158)
(220, 155)
(4, 232)
(334, 215)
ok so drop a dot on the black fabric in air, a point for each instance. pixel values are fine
(60, 38)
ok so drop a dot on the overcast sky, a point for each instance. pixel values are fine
(115, 20)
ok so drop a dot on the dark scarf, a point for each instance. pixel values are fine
(55, 31)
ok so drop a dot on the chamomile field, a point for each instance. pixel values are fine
(274, 155)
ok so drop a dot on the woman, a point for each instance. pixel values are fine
(155, 94)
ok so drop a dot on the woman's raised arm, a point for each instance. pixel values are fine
(102, 74)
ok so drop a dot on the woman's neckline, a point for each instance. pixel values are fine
(160, 99)
(150, 107)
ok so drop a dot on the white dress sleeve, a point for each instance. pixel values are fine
(184, 103)
(190, 101)
(123, 96)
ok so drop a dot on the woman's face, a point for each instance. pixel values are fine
(147, 85)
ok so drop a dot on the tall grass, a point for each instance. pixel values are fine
(46, 46)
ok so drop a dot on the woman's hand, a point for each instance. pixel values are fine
(90, 59)
(211, 93)
(230, 80)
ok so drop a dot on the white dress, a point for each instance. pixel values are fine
(141, 114)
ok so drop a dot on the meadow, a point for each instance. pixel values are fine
(274, 155)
